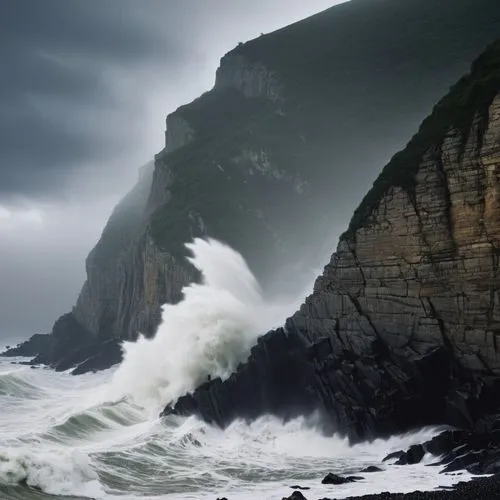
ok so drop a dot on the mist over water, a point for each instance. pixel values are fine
(99, 436)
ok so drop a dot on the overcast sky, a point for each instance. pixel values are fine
(85, 87)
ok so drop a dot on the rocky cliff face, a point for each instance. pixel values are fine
(403, 327)
(128, 276)
(251, 78)
(292, 122)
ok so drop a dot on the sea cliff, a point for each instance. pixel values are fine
(402, 329)
(267, 160)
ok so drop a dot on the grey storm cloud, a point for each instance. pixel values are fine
(85, 86)
(53, 53)
(57, 79)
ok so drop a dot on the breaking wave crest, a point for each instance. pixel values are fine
(13, 385)
(58, 472)
(99, 435)
(207, 334)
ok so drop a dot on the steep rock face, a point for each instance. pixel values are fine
(124, 271)
(126, 285)
(178, 133)
(128, 278)
(253, 79)
(402, 329)
(293, 118)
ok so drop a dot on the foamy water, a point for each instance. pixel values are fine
(207, 334)
(98, 435)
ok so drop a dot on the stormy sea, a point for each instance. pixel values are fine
(100, 436)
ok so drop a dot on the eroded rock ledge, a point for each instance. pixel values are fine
(403, 327)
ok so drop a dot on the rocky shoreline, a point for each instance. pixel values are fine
(455, 451)
(81, 356)
(484, 488)
(402, 329)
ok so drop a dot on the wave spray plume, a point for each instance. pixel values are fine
(208, 333)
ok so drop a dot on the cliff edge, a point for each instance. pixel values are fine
(293, 121)
(403, 327)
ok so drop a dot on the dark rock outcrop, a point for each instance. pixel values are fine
(81, 351)
(479, 489)
(371, 468)
(296, 495)
(293, 121)
(59, 345)
(331, 478)
(30, 348)
(402, 328)
(94, 357)
(279, 385)
(414, 455)
(478, 452)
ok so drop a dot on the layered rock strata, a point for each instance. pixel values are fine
(403, 326)
(293, 121)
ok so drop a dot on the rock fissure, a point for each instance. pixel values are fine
(440, 322)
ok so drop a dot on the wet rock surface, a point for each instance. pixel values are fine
(83, 353)
(371, 468)
(331, 478)
(30, 348)
(401, 329)
(98, 357)
(476, 452)
(478, 489)
(414, 455)
(296, 495)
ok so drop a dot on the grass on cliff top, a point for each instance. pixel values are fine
(471, 96)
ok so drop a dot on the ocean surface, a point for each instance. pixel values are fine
(99, 436)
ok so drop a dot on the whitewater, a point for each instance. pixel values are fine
(99, 435)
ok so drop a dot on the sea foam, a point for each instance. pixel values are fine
(207, 334)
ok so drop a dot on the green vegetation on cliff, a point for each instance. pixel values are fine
(470, 97)
(348, 77)
(236, 179)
